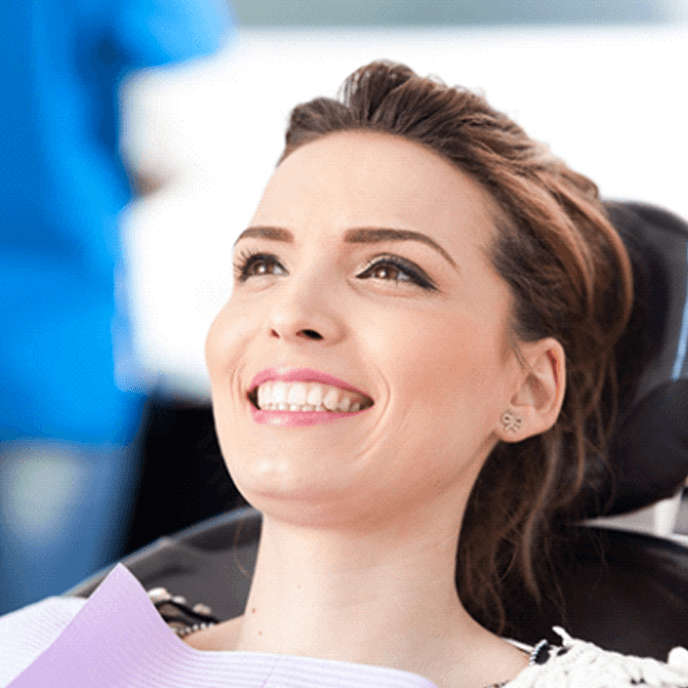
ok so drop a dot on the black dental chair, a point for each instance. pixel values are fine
(624, 591)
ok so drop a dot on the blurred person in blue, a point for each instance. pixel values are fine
(70, 394)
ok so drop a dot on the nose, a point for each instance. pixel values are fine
(306, 312)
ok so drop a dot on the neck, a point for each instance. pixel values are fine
(377, 596)
(383, 597)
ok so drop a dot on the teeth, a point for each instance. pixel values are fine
(308, 396)
(331, 399)
(297, 394)
(315, 396)
(279, 393)
(264, 395)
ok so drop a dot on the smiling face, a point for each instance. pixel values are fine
(363, 361)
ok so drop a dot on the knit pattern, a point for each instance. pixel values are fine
(579, 664)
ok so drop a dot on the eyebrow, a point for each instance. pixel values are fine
(272, 233)
(359, 235)
(372, 235)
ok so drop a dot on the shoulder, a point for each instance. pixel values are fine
(25, 633)
(579, 663)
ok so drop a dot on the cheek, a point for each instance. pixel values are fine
(446, 374)
(435, 356)
(225, 345)
(223, 342)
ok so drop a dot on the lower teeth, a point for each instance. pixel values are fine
(304, 409)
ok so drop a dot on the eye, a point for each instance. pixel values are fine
(257, 265)
(398, 270)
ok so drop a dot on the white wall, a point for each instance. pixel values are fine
(611, 102)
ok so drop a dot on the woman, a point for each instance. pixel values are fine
(419, 346)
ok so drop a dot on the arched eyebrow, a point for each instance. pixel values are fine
(371, 235)
(358, 235)
(271, 233)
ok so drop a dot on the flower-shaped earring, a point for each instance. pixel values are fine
(511, 421)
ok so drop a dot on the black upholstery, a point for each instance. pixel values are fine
(624, 591)
(210, 563)
(649, 452)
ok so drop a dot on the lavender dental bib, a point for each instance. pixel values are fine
(118, 639)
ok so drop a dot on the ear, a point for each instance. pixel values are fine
(538, 399)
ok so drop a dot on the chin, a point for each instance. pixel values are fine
(273, 483)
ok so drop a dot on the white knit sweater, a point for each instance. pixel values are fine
(578, 664)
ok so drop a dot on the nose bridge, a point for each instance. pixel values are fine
(305, 309)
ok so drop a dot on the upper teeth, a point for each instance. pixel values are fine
(308, 396)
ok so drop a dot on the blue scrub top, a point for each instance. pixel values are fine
(62, 185)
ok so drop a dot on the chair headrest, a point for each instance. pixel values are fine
(649, 449)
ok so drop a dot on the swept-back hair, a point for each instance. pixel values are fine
(570, 279)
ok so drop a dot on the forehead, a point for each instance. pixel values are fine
(369, 178)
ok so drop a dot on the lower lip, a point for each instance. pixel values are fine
(293, 419)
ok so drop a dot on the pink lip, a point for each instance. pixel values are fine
(294, 418)
(301, 375)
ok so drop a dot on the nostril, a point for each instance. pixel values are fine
(310, 334)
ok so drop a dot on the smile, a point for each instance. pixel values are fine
(311, 396)
(301, 396)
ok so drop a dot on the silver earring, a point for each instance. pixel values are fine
(511, 421)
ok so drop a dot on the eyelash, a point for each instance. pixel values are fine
(248, 260)
(411, 272)
(407, 272)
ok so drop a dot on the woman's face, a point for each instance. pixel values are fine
(363, 279)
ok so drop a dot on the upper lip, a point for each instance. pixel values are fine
(302, 375)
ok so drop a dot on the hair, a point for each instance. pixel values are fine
(570, 279)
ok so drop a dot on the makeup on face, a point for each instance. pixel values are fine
(365, 346)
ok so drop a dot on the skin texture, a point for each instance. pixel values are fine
(365, 511)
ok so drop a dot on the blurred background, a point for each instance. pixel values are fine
(600, 81)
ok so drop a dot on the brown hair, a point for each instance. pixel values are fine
(570, 278)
